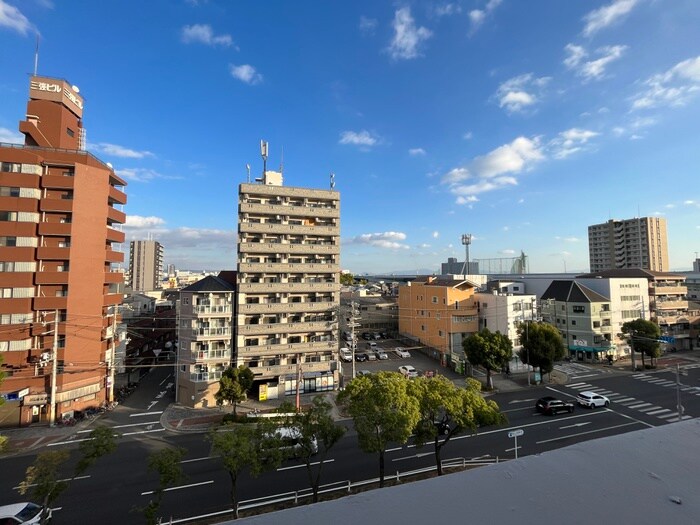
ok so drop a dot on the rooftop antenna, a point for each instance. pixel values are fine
(36, 55)
(247, 167)
(333, 181)
(263, 154)
(466, 241)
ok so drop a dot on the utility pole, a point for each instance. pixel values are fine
(352, 325)
(679, 407)
(113, 353)
(298, 383)
(54, 370)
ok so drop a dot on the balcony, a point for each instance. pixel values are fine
(116, 216)
(671, 305)
(16, 279)
(287, 229)
(51, 278)
(669, 290)
(223, 310)
(273, 247)
(286, 191)
(272, 308)
(14, 306)
(46, 253)
(112, 299)
(62, 229)
(50, 303)
(288, 287)
(287, 348)
(287, 268)
(116, 196)
(290, 370)
(64, 205)
(200, 333)
(57, 182)
(285, 209)
(114, 277)
(115, 235)
(285, 328)
(113, 256)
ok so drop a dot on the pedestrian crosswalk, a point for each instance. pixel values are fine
(654, 379)
(632, 403)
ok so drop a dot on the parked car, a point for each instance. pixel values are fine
(371, 355)
(363, 373)
(346, 355)
(384, 335)
(372, 346)
(366, 336)
(362, 356)
(376, 335)
(25, 512)
(381, 354)
(551, 405)
(408, 371)
(592, 400)
(402, 352)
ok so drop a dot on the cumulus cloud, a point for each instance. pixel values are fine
(672, 88)
(591, 69)
(245, 73)
(521, 92)
(415, 152)
(570, 141)
(143, 175)
(138, 222)
(115, 150)
(13, 19)
(204, 34)
(568, 239)
(507, 252)
(408, 38)
(468, 200)
(367, 25)
(477, 16)
(8, 135)
(358, 138)
(447, 10)
(468, 135)
(389, 240)
(436, 234)
(607, 15)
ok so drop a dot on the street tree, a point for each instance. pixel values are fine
(167, 463)
(317, 434)
(446, 410)
(644, 337)
(43, 477)
(347, 279)
(383, 412)
(241, 447)
(542, 346)
(492, 350)
(234, 385)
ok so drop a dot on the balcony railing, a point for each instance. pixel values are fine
(215, 309)
(211, 332)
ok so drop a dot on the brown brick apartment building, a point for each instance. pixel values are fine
(58, 264)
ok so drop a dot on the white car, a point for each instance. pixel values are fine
(401, 352)
(346, 355)
(22, 513)
(381, 354)
(408, 371)
(592, 400)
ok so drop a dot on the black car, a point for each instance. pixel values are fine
(551, 405)
(366, 336)
(361, 357)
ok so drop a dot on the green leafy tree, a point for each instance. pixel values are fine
(167, 464)
(347, 279)
(383, 412)
(318, 434)
(43, 476)
(644, 338)
(447, 410)
(234, 385)
(542, 346)
(492, 350)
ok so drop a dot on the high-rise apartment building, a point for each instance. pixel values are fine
(631, 243)
(288, 285)
(61, 285)
(145, 265)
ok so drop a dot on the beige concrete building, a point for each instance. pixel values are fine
(631, 243)
(288, 286)
(145, 265)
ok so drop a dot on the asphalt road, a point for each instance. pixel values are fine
(119, 482)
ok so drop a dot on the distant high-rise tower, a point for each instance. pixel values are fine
(631, 243)
(145, 265)
(288, 284)
(59, 261)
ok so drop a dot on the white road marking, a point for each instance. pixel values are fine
(512, 449)
(574, 385)
(422, 454)
(199, 459)
(648, 409)
(146, 414)
(656, 412)
(67, 479)
(638, 405)
(180, 487)
(584, 433)
(393, 449)
(625, 400)
(144, 432)
(576, 425)
(516, 409)
(585, 375)
(125, 426)
(521, 401)
(67, 442)
(152, 404)
(303, 465)
(164, 380)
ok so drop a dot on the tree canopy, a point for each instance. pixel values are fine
(644, 337)
(492, 350)
(234, 385)
(167, 463)
(383, 411)
(542, 345)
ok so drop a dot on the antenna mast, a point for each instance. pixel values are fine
(332, 180)
(466, 241)
(263, 154)
(247, 167)
(36, 55)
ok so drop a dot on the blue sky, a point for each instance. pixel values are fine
(518, 122)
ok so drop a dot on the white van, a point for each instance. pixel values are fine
(346, 355)
(290, 441)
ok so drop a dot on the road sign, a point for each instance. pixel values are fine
(516, 433)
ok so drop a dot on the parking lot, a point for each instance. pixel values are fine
(420, 361)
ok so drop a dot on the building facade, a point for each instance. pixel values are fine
(288, 286)
(60, 262)
(205, 336)
(145, 265)
(631, 243)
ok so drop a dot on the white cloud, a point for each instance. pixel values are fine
(568, 239)
(436, 234)
(468, 135)
(689, 203)
(447, 10)
(607, 15)
(367, 25)
(407, 37)
(456, 175)
(470, 199)
(204, 34)
(423, 246)
(245, 73)
(518, 93)
(414, 152)
(115, 150)
(8, 135)
(671, 88)
(477, 16)
(361, 138)
(507, 252)
(389, 240)
(13, 19)
(570, 141)
(592, 69)
(137, 222)
(143, 175)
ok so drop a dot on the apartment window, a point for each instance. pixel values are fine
(573, 321)
(8, 241)
(596, 324)
(185, 300)
(8, 216)
(579, 309)
(422, 328)
(8, 191)
(441, 333)
(70, 132)
(438, 316)
(435, 299)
